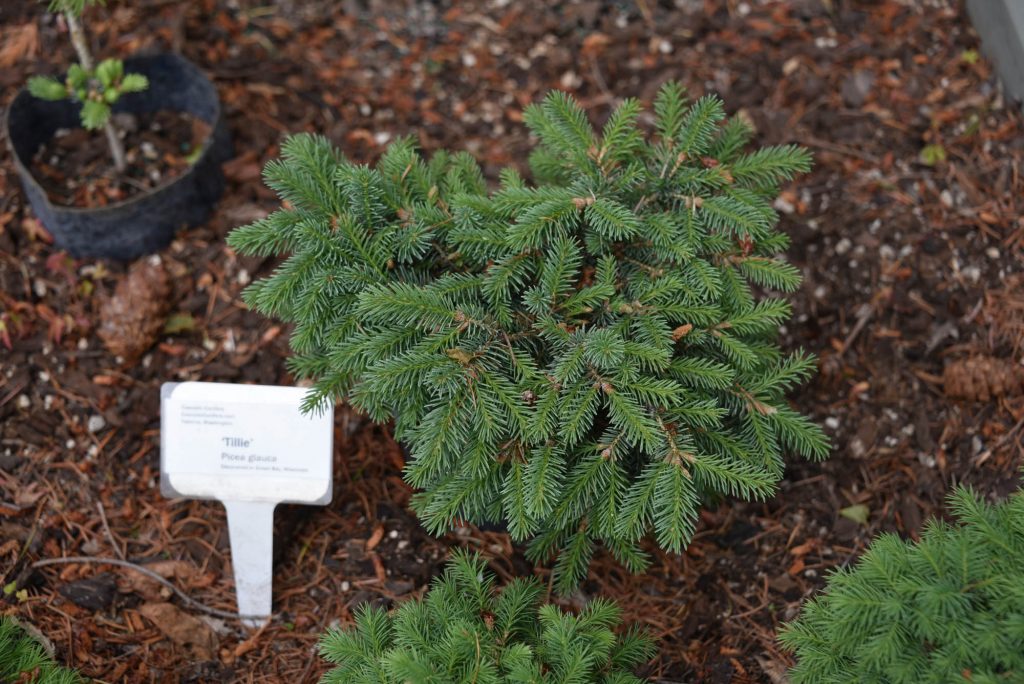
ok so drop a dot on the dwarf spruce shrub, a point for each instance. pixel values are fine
(465, 631)
(584, 356)
(949, 608)
(23, 659)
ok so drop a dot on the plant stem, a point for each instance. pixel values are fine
(116, 146)
(86, 60)
(78, 40)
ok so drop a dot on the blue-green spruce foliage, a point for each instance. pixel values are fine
(947, 609)
(584, 356)
(466, 632)
(23, 659)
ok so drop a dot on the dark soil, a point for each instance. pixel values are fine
(908, 232)
(76, 169)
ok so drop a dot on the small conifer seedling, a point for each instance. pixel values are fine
(465, 631)
(584, 357)
(23, 659)
(949, 608)
(95, 86)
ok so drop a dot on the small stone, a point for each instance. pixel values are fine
(784, 206)
(992, 253)
(570, 80)
(148, 150)
(95, 593)
(832, 423)
(39, 287)
(23, 402)
(856, 87)
(946, 198)
(972, 273)
(843, 246)
(96, 423)
(345, 585)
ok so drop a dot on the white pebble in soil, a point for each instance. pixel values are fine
(96, 423)
(148, 150)
(843, 246)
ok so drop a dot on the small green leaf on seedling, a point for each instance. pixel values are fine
(134, 83)
(969, 56)
(933, 154)
(10, 588)
(78, 78)
(21, 595)
(109, 72)
(858, 513)
(179, 323)
(95, 114)
(46, 88)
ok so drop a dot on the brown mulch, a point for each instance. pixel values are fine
(908, 232)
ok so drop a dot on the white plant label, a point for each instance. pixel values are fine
(250, 447)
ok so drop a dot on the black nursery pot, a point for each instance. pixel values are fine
(146, 222)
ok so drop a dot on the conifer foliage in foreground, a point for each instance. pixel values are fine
(584, 357)
(465, 631)
(949, 608)
(23, 659)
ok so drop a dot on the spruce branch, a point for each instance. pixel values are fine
(467, 631)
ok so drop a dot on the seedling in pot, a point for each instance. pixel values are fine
(96, 87)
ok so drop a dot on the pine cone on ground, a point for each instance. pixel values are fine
(981, 378)
(131, 319)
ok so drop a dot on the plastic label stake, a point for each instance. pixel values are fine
(249, 447)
